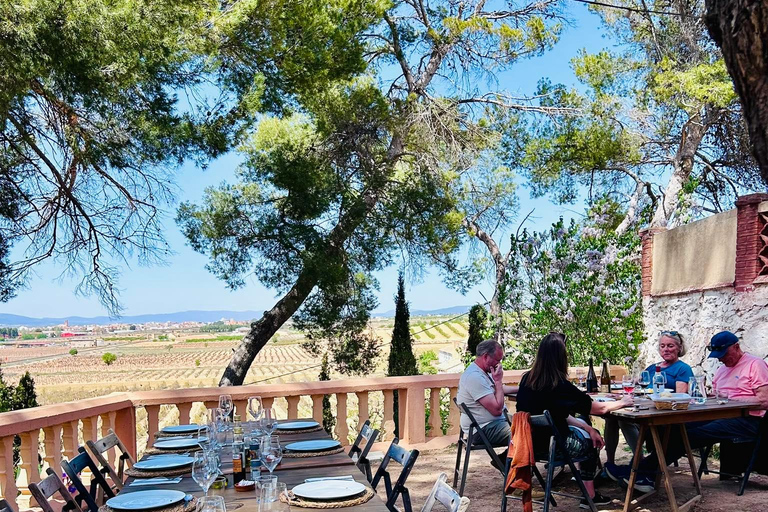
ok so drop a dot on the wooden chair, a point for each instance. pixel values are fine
(557, 457)
(369, 435)
(5, 506)
(467, 445)
(52, 484)
(98, 448)
(94, 496)
(445, 495)
(406, 459)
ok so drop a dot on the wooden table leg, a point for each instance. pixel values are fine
(665, 442)
(663, 467)
(633, 473)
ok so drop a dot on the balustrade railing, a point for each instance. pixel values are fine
(50, 432)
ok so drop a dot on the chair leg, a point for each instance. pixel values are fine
(704, 453)
(467, 451)
(458, 458)
(748, 470)
(550, 475)
(537, 473)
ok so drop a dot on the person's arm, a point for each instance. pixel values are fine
(761, 394)
(511, 390)
(681, 387)
(494, 402)
(597, 440)
(601, 408)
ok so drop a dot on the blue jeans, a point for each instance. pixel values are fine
(702, 433)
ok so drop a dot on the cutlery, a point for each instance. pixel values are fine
(320, 479)
(156, 481)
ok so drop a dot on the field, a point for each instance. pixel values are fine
(172, 360)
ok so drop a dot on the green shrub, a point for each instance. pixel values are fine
(197, 362)
(108, 358)
(73, 351)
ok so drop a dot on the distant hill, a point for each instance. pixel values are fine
(183, 316)
(453, 310)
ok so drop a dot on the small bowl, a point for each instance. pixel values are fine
(245, 487)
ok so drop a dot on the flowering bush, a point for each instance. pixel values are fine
(582, 280)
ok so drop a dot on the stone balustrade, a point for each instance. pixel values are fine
(50, 432)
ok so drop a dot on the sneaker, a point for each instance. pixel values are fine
(598, 499)
(643, 483)
(616, 473)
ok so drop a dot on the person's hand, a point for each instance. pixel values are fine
(597, 440)
(627, 401)
(497, 373)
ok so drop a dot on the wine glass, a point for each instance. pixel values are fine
(271, 452)
(255, 407)
(203, 472)
(645, 379)
(582, 376)
(211, 504)
(225, 404)
(204, 438)
(628, 384)
(268, 420)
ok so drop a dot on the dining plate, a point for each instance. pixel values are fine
(297, 425)
(328, 489)
(145, 500)
(603, 399)
(182, 429)
(163, 462)
(313, 445)
(175, 444)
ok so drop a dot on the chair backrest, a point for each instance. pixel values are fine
(406, 459)
(100, 447)
(99, 486)
(49, 486)
(5, 506)
(369, 435)
(444, 494)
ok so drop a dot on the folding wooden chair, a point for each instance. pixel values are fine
(98, 448)
(756, 441)
(557, 457)
(445, 495)
(5, 506)
(52, 484)
(368, 435)
(94, 496)
(406, 459)
(467, 445)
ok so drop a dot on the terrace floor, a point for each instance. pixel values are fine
(484, 487)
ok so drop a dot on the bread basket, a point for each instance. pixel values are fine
(671, 401)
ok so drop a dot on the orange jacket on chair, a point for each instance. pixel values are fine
(521, 453)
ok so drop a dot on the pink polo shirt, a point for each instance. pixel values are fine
(740, 381)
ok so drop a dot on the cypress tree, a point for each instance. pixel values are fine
(478, 318)
(401, 359)
(25, 395)
(328, 420)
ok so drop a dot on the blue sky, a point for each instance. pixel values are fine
(184, 284)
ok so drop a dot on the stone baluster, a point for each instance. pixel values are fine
(91, 429)
(267, 402)
(70, 439)
(153, 422)
(342, 430)
(241, 408)
(28, 469)
(435, 420)
(411, 408)
(388, 420)
(454, 415)
(362, 407)
(185, 408)
(53, 447)
(293, 406)
(8, 487)
(317, 408)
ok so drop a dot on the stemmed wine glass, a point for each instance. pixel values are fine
(254, 406)
(645, 379)
(203, 471)
(268, 421)
(271, 452)
(628, 384)
(225, 404)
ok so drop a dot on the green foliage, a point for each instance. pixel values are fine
(477, 331)
(197, 362)
(28, 336)
(582, 281)
(162, 337)
(73, 351)
(108, 358)
(22, 396)
(425, 363)
(221, 327)
(10, 332)
(401, 358)
(328, 419)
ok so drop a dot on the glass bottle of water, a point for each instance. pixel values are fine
(658, 382)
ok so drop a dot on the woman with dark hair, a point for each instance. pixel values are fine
(546, 388)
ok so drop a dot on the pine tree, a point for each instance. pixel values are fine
(401, 359)
(328, 420)
(478, 318)
(25, 395)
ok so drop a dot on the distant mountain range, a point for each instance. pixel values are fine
(183, 316)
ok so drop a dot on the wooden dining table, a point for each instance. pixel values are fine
(650, 419)
(291, 471)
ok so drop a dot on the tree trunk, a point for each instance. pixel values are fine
(693, 133)
(740, 28)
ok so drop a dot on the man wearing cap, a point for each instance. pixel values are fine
(742, 376)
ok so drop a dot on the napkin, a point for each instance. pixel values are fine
(320, 479)
(160, 480)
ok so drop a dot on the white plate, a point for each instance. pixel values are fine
(175, 444)
(164, 462)
(144, 500)
(297, 425)
(313, 445)
(182, 429)
(328, 489)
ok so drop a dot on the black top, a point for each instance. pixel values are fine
(564, 400)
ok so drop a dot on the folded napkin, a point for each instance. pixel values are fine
(160, 480)
(320, 479)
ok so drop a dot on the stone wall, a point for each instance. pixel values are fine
(697, 316)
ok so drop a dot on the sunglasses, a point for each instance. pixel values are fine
(669, 333)
(710, 347)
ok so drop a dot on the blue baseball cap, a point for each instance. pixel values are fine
(720, 342)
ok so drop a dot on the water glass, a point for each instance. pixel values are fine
(264, 482)
(721, 395)
(269, 500)
(211, 504)
(255, 407)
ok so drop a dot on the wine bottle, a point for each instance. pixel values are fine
(605, 378)
(591, 378)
